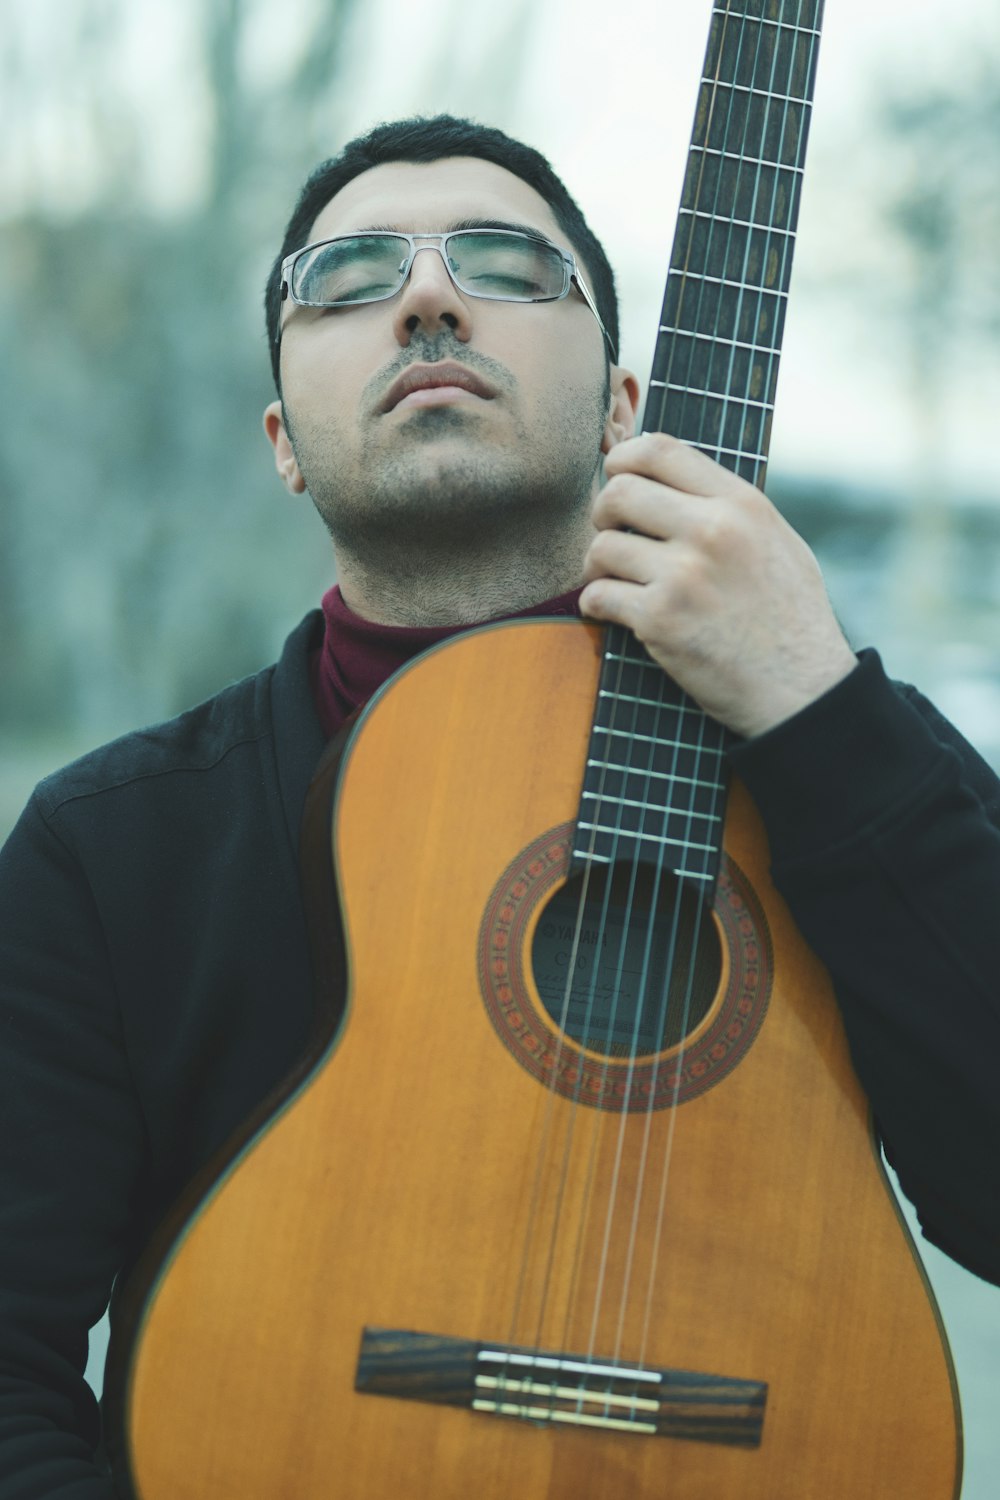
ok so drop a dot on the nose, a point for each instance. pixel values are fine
(430, 300)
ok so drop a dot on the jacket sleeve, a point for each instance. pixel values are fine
(71, 1143)
(883, 829)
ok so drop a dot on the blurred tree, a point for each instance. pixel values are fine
(159, 147)
(138, 500)
(909, 263)
(943, 211)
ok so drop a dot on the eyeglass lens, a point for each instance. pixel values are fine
(365, 268)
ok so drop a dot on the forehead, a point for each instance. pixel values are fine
(435, 196)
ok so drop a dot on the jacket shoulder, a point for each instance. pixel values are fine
(196, 740)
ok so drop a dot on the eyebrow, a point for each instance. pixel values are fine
(457, 226)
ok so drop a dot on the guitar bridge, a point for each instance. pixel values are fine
(543, 1388)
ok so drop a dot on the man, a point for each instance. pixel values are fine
(156, 978)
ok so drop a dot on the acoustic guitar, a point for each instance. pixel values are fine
(578, 1196)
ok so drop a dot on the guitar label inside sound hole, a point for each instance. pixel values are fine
(731, 1005)
(625, 961)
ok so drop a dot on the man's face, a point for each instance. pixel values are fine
(445, 461)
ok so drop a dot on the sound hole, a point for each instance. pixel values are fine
(647, 959)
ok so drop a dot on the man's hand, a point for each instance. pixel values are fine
(715, 584)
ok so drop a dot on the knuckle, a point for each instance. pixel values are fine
(680, 594)
(614, 492)
(603, 547)
(714, 532)
(662, 442)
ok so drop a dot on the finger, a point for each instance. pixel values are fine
(626, 555)
(631, 503)
(612, 600)
(657, 455)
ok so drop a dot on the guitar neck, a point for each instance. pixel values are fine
(715, 366)
(654, 786)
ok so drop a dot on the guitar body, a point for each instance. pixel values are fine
(428, 1176)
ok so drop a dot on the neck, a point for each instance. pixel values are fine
(425, 587)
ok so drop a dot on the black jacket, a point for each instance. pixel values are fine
(155, 985)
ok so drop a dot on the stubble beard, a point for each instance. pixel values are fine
(408, 513)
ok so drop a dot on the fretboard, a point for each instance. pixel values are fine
(654, 784)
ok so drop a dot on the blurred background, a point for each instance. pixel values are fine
(153, 150)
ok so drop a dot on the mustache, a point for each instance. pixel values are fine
(432, 351)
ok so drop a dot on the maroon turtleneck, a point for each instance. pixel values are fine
(357, 656)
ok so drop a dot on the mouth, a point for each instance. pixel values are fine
(427, 385)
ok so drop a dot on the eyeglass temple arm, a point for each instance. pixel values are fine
(585, 293)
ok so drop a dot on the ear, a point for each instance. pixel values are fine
(284, 459)
(624, 405)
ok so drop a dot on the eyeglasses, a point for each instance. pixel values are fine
(500, 265)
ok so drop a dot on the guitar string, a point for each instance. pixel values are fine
(621, 639)
(701, 721)
(611, 641)
(599, 819)
(685, 708)
(542, 1157)
(665, 1172)
(681, 734)
(662, 1017)
(502, 1455)
(813, 23)
(636, 863)
(786, 238)
(615, 844)
(580, 916)
(659, 864)
(679, 393)
(644, 982)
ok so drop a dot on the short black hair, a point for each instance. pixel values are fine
(426, 139)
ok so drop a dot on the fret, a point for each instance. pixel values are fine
(653, 739)
(724, 221)
(634, 837)
(657, 703)
(743, 286)
(730, 244)
(694, 362)
(720, 185)
(639, 673)
(714, 338)
(749, 161)
(735, 118)
(769, 56)
(757, 458)
(634, 661)
(669, 385)
(722, 305)
(610, 765)
(735, 15)
(651, 807)
(592, 857)
(712, 423)
(743, 88)
(715, 450)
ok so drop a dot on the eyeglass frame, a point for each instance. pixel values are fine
(573, 275)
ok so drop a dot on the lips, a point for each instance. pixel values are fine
(430, 377)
